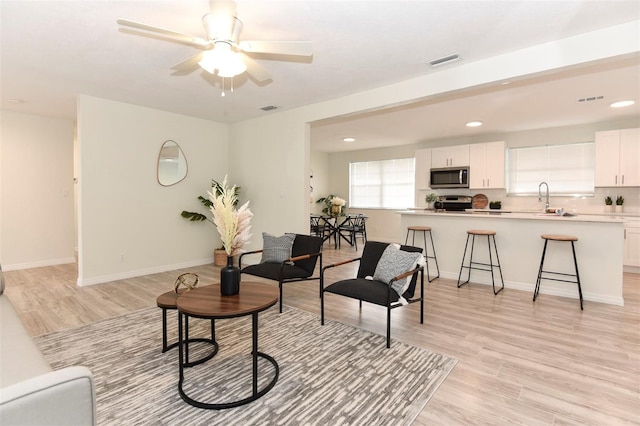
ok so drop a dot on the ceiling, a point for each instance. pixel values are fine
(51, 51)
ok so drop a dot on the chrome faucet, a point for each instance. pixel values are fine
(546, 205)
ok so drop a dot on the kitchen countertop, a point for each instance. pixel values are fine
(506, 214)
(599, 248)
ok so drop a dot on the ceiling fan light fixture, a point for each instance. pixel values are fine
(222, 58)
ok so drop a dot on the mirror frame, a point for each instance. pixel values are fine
(181, 159)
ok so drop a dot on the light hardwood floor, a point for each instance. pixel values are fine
(546, 363)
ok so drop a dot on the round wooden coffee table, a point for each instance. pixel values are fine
(207, 302)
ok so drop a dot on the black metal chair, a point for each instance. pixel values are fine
(317, 226)
(305, 253)
(374, 291)
(354, 225)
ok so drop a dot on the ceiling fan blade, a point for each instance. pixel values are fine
(185, 38)
(187, 66)
(256, 70)
(297, 48)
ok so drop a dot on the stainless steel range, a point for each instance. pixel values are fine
(453, 203)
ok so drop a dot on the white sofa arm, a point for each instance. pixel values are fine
(61, 397)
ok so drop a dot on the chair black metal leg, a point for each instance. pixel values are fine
(388, 327)
(280, 286)
(493, 281)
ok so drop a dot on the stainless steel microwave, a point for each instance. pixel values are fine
(450, 177)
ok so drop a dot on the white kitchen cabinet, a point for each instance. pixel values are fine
(631, 250)
(486, 165)
(617, 158)
(423, 166)
(450, 156)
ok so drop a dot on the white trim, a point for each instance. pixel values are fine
(39, 264)
(141, 272)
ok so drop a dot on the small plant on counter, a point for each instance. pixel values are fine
(430, 198)
(608, 200)
(619, 200)
(496, 205)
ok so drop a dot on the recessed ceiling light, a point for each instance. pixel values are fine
(621, 104)
(474, 124)
(349, 139)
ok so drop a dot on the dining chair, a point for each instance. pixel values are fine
(355, 225)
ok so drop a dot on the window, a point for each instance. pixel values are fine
(382, 184)
(568, 169)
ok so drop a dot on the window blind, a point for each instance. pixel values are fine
(382, 184)
(568, 169)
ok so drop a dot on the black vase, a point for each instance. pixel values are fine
(229, 279)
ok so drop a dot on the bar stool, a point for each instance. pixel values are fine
(491, 235)
(561, 238)
(168, 301)
(424, 230)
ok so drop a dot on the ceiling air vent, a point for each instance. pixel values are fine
(269, 108)
(444, 60)
(590, 98)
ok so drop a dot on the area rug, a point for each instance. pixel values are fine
(333, 374)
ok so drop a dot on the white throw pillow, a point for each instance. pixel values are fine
(395, 262)
(276, 249)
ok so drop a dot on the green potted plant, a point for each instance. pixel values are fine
(333, 205)
(430, 199)
(608, 201)
(219, 254)
(495, 205)
(619, 203)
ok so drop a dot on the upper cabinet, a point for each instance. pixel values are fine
(450, 156)
(617, 158)
(423, 164)
(486, 165)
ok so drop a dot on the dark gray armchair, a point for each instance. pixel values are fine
(305, 252)
(373, 290)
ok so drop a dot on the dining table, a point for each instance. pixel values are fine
(334, 224)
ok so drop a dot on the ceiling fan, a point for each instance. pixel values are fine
(223, 52)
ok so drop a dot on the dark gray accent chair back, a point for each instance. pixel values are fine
(305, 253)
(373, 291)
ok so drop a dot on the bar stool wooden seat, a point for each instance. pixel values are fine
(167, 301)
(554, 276)
(487, 267)
(424, 230)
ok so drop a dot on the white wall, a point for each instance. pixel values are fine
(129, 224)
(36, 191)
(270, 152)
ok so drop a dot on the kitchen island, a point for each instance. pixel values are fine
(598, 249)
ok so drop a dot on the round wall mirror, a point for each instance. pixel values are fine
(172, 164)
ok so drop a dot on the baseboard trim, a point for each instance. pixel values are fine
(140, 272)
(38, 264)
(571, 292)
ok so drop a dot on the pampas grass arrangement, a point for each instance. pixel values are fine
(232, 224)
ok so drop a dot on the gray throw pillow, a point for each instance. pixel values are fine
(393, 263)
(276, 249)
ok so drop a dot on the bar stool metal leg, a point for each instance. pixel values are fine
(554, 275)
(495, 247)
(487, 267)
(537, 289)
(462, 265)
(575, 263)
